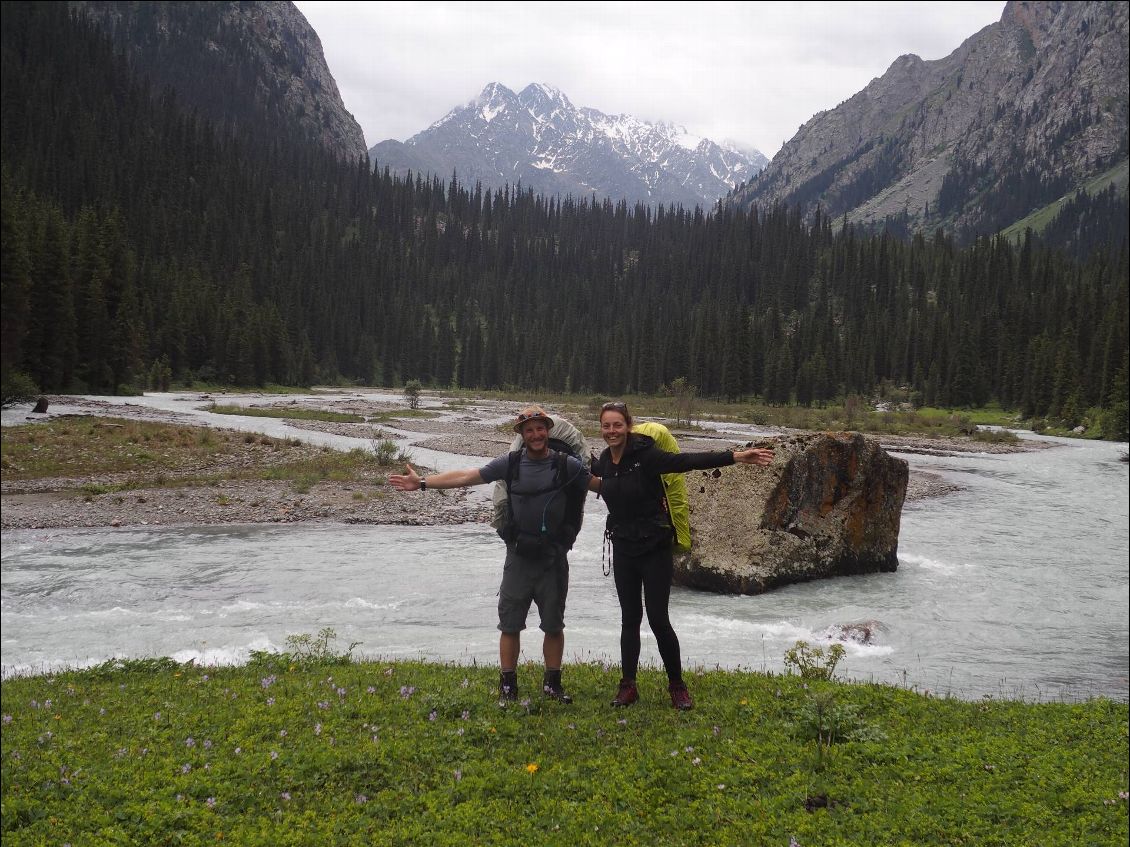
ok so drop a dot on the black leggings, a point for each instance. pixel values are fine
(652, 571)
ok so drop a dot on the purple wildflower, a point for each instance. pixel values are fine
(268, 681)
(270, 701)
(189, 742)
(317, 729)
(185, 768)
(407, 691)
(432, 715)
(211, 801)
(285, 796)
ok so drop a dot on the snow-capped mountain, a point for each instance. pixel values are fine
(543, 141)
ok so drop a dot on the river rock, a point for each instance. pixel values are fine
(830, 504)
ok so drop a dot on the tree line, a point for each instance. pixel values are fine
(143, 244)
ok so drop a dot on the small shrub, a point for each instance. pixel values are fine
(412, 393)
(813, 662)
(385, 451)
(318, 649)
(17, 387)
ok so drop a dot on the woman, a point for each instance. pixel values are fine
(641, 534)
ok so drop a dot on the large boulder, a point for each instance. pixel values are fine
(830, 504)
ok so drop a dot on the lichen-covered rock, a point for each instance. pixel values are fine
(830, 504)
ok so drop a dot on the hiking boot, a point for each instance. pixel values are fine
(551, 687)
(627, 694)
(680, 697)
(507, 687)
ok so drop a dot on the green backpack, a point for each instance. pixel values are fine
(674, 484)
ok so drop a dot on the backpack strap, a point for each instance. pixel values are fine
(513, 461)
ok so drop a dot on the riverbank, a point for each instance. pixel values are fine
(131, 498)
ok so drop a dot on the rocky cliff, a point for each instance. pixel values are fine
(829, 505)
(1022, 112)
(258, 66)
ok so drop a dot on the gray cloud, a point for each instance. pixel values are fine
(748, 72)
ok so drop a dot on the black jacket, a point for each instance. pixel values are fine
(633, 491)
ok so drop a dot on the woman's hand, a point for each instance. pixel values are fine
(754, 456)
(405, 482)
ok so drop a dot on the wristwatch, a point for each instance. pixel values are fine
(423, 484)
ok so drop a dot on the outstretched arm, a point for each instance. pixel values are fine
(410, 481)
(661, 461)
(754, 456)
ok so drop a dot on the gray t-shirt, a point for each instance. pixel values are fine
(534, 487)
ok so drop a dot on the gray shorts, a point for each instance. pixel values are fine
(541, 581)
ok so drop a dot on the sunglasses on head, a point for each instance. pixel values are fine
(614, 406)
(532, 416)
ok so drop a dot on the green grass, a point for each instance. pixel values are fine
(853, 414)
(293, 413)
(289, 752)
(151, 454)
(394, 414)
(1040, 218)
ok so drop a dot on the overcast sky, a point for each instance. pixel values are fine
(750, 73)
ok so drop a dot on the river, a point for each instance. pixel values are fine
(1015, 587)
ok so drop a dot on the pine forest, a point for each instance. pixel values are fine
(144, 244)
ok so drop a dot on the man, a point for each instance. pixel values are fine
(537, 541)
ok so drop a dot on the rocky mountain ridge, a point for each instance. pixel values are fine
(1021, 113)
(259, 66)
(540, 139)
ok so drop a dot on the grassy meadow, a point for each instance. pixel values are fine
(305, 748)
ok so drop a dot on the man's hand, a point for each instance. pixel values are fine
(405, 482)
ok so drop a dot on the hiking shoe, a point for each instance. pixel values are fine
(507, 687)
(627, 694)
(551, 687)
(680, 697)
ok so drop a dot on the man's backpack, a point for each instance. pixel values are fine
(566, 439)
(674, 484)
